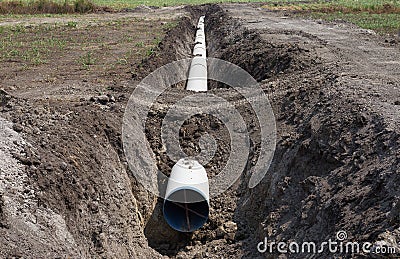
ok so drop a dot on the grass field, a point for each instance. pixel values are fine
(350, 4)
(25, 46)
(380, 15)
(372, 5)
(134, 3)
(382, 23)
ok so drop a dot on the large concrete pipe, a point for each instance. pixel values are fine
(197, 79)
(186, 204)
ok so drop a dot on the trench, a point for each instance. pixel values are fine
(267, 62)
(318, 150)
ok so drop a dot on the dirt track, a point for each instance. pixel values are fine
(335, 93)
(365, 59)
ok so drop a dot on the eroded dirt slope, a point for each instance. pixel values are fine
(337, 162)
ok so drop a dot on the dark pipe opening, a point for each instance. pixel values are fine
(186, 210)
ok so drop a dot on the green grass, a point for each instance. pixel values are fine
(79, 46)
(87, 60)
(72, 24)
(382, 16)
(365, 4)
(34, 52)
(139, 44)
(382, 23)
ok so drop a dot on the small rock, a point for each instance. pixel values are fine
(94, 207)
(23, 159)
(220, 232)
(397, 102)
(48, 168)
(103, 99)
(214, 125)
(230, 236)
(362, 159)
(111, 98)
(36, 130)
(230, 226)
(18, 127)
(64, 166)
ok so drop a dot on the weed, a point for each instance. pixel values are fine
(169, 25)
(139, 44)
(72, 24)
(24, 67)
(13, 53)
(129, 39)
(122, 61)
(37, 60)
(157, 40)
(87, 60)
(18, 28)
(150, 51)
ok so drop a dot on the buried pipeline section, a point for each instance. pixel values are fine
(186, 205)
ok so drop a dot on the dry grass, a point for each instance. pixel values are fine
(48, 6)
(380, 15)
(334, 8)
(382, 9)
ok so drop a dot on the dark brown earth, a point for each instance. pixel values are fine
(66, 191)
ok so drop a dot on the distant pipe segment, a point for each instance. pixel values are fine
(197, 80)
(186, 205)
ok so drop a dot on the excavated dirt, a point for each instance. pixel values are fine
(67, 191)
